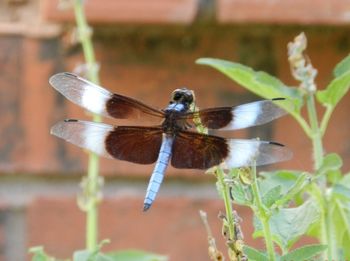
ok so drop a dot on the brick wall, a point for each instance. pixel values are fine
(39, 174)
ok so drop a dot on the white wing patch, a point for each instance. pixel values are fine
(82, 92)
(93, 100)
(87, 135)
(242, 152)
(244, 116)
(255, 113)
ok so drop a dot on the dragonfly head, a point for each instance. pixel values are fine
(183, 96)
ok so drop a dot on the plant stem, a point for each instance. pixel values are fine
(326, 219)
(262, 214)
(93, 165)
(227, 202)
(326, 118)
(316, 132)
(331, 238)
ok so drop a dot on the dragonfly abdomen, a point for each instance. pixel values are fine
(159, 171)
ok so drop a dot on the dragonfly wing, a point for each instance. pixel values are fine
(99, 100)
(199, 151)
(130, 143)
(239, 117)
(248, 152)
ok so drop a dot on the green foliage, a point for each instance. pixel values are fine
(136, 255)
(271, 196)
(322, 198)
(339, 209)
(255, 254)
(283, 224)
(331, 162)
(241, 194)
(86, 255)
(40, 255)
(259, 83)
(304, 253)
(342, 67)
(335, 90)
(292, 183)
(308, 252)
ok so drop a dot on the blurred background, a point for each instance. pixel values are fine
(145, 49)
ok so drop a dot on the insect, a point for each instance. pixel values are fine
(170, 141)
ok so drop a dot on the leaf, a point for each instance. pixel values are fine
(298, 186)
(259, 83)
(241, 194)
(341, 191)
(255, 254)
(330, 162)
(291, 182)
(284, 178)
(86, 255)
(271, 196)
(340, 215)
(39, 254)
(346, 180)
(304, 253)
(290, 223)
(333, 93)
(334, 176)
(346, 244)
(342, 67)
(136, 255)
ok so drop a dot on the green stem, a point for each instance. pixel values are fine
(228, 203)
(326, 220)
(303, 124)
(93, 165)
(332, 242)
(326, 118)
(264, 217)
(316, 132)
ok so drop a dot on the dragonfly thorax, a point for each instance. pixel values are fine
(181, 100)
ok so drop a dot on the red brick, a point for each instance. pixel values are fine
(149, 74)
(124, 11)
(283, 11)
(172, 227)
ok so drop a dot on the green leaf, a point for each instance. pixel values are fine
(334, 176)
(39, 254)
(241, 194)
(259, 83)
(86, 255)
(290, 223)
(346, 180)
(341, 191)
(304, 253)
(271, 196)
(330, 162)
(255, 254)
(136, 255)
(292, 183)
(298, 186)
(284, 178)
(340, 214)
(342, 67)
(335, 90)
(346, 244)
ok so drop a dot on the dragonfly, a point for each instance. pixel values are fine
(174, 140)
